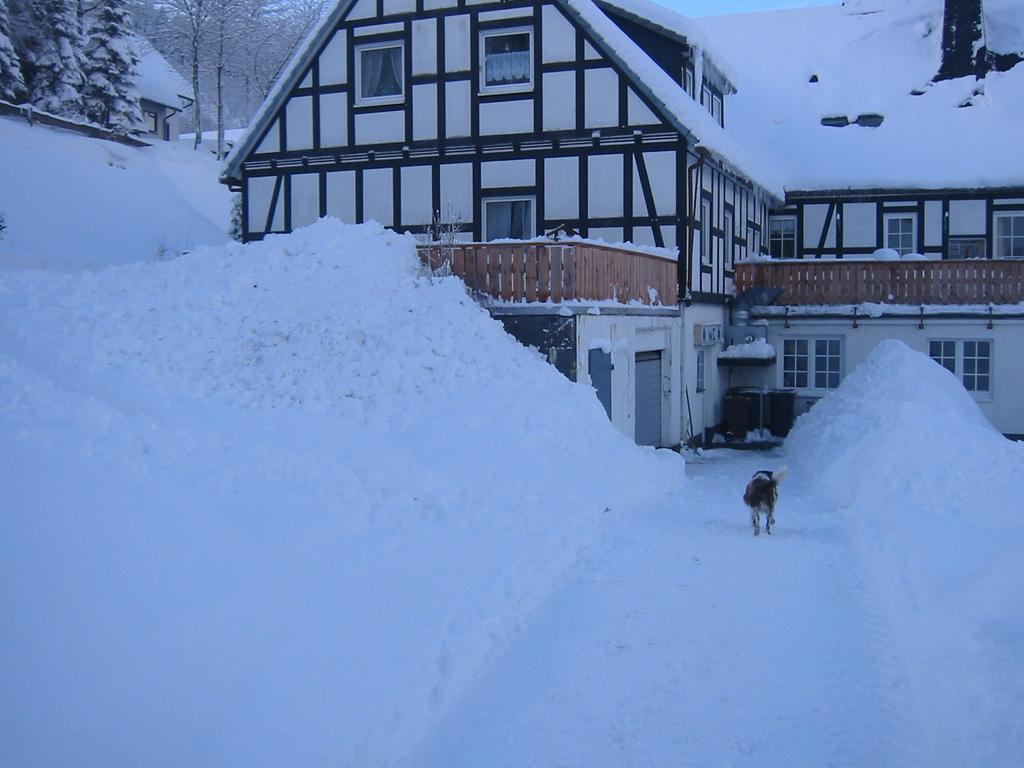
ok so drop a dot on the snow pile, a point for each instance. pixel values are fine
(758, 349)
(932, 495)
(71, 202)
(277, 504)
(902, 426)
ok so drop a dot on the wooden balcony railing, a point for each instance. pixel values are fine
(555, 272)
(976, 281)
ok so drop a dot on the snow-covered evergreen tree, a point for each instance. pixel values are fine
(57, 78)
(12, 84)
(110, 95)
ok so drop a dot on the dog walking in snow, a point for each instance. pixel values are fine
(761, 495)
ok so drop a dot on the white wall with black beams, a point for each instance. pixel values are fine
(578, 144)
(952, 224)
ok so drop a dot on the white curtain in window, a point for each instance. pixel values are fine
(508, 67)
(380, 74)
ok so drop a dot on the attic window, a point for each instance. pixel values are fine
(379, 74)
(836, 122)
(508, 63)
(814, 79)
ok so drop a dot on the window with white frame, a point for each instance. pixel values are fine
(508, 217)
(705, 232)
(151, 121)
(782, 237)
(977, 357)
(943, 352)
(899, 232)
(970, 361)
(507, 61)
(379, 78)
(1009, 236)
(688, 79)
(717, 109)
(827, 363)
(812, 363)
(700, 369)
(795, 363)
(966, 248)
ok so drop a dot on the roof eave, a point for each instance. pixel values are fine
(609, 7)
(282, 90)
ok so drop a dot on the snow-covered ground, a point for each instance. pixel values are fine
(880, 624)
(276, 504)
(71, 202)
(295, 503)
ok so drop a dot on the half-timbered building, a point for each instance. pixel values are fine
(904, 203)
(622, 121)
(514, 118)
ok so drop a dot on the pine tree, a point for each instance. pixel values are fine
(57, 78)
(110, 95)
(12, 84)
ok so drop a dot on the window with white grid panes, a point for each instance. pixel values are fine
(827, 363)
(943, 352)
(899, 233)
(1009, 236)
(795, 363)
(977, 366)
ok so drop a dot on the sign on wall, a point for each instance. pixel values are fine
(707, 334)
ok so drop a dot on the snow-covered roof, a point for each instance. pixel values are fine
(675, 25)
(687, 114)
(157, 80)
(679, 107)
(870, 57)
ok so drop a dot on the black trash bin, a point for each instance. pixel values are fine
(782, 407)
(757, 405)
(737, 415)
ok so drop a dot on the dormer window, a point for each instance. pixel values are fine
(688, 80)
(507, 61)
(379, 77)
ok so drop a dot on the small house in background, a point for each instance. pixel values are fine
(163, 93)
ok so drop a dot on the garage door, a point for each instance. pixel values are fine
(648, 398)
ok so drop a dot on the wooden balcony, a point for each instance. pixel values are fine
(557, 272)
(975, 281)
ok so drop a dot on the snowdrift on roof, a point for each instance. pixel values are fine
(277, 504)
(900, 426)
(871, 58)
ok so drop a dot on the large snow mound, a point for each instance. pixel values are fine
(277, 504)
(71, 202)
(902, 426)
(932, 496)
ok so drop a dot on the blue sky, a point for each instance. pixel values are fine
(717, 7)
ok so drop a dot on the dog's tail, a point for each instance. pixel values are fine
(779, 475)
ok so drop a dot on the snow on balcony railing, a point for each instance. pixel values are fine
(974, 281)
(554, 272)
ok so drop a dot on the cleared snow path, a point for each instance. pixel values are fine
(683, 640)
